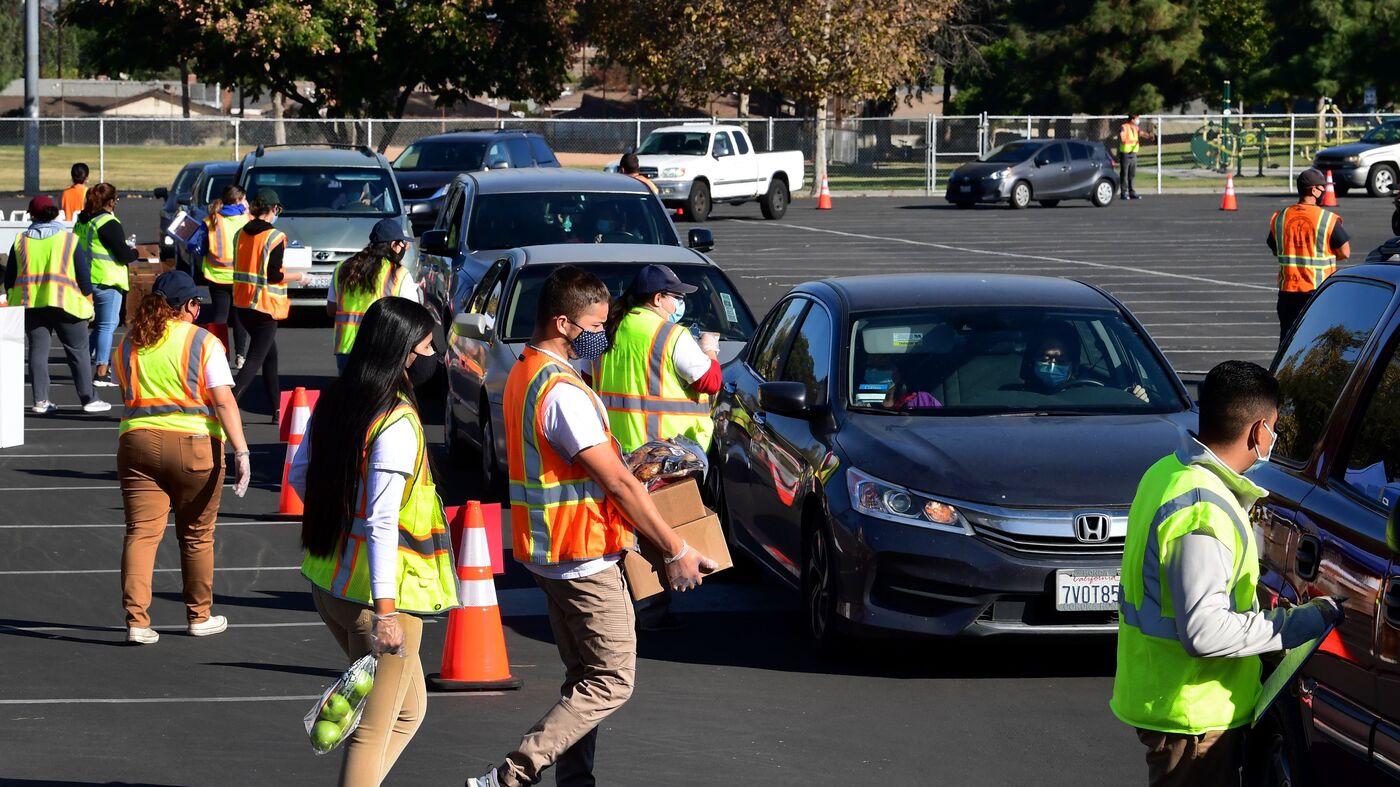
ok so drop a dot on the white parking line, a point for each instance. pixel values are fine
(217, 569)
(282, 522)
(159, 700)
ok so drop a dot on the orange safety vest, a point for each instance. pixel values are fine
(1303, 244)
(558, 513)
(163, 384)
(251, 290)
(646, 180)
(72, 200)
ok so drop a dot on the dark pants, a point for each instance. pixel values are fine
(223, 313)
(73, 335)
(1290, 305)
(262, 354)
(1127, 171)
(1210, 759)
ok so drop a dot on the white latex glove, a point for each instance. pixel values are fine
(709, 343)
(386, 636)
(242, 473)
(685, 570)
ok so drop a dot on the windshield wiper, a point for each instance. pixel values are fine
(880, 408)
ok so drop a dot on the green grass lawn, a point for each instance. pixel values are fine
(129, 168)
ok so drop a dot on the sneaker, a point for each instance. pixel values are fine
(96, 406)
(142, 636)
(489, 780)
(1135, 196)
(43, 408)
(276, 418)
(215, 624)
(104, 381)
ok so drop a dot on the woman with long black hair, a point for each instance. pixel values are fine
(377, 550)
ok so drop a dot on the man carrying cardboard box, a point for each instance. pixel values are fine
(573, 509)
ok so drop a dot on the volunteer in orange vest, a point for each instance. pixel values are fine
(212, 248)
(573, 509)
(374, 272)
(260, 294)
(50, 273)
(1130, 137)
(102, 237)
(73, 198)
(631, 165)
(170, 455)
(1308, 240)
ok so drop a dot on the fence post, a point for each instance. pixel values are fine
(1159, 155)
(929, 148)
(101, 149)
(1028, 126)
(369, 133)
(237, 147)
(1292, 128)
(770, 133)
(638, 143)
(982, 135)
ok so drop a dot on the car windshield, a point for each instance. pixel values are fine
(184, 182)
(213, 187)
(441, 156)
(329, 191)
(504, 221)
(1012, 152)
(675, 143)
(998, 360)
(1388, 134)
(715, 306)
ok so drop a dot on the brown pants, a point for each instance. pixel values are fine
(1211, 759)
(396, 704)
(594, 628)
(160, 472)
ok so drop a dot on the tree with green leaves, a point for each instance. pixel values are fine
(678, 51)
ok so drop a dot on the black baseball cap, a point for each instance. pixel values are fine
(1309, 178)
(177, 287)
(659, 278)
(388, 230)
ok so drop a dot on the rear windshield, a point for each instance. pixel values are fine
(1012, 152)
(214, 187)
(505, 221)
(676, 143)
(715, 306)
(441, 157)
(327, 191)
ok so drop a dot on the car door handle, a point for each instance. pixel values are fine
(760, 418)
(1308, 558)
(1392, 602)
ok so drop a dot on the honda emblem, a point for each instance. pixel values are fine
(322, 256)
(1092, 528)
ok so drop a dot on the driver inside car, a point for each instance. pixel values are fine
(1051, 362)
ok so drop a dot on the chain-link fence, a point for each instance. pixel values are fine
(879, 155)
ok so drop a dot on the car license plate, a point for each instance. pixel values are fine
(315, 280)
(1086, 590)
(965, 188)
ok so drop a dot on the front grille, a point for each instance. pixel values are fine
(1325, 163)
(649, 172)
(1047, 545)
(1040, 611)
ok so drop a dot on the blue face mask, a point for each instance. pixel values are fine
(1052, 374)
(1262, 459)
(589, 345)
(676, 315)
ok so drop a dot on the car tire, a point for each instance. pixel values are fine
(774, 204)
(1341, 189)
(453, 444)
(698, 205)
(1020, 195)
(820, 584)
(964, 205)
(492, 485)
(744, 567)
(1049, 203)
(1103, 194)
(1381, 180)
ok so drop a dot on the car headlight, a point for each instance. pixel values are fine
(1000, 174)
(883, 500)
(673, 172)
(1352, 159)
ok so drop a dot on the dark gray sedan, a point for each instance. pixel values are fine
(1045, 170)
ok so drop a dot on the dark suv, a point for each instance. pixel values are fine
(425, 168)
(1329, 527)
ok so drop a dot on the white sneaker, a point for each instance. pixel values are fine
(96, 406)
(489, 780)
(43, 408)
(215, 624)
(142, 636)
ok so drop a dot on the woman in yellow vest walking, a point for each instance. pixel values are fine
(50, 273)
(378, 553)
(260, 294)
(374, 272)
(102, 236)
(213, 246)
(170, 455)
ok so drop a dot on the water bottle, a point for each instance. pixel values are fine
(131, 240)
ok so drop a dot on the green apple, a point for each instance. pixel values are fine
(336, 709)
(360, 687)
(325, 735)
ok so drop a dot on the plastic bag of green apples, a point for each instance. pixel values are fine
(332, 719)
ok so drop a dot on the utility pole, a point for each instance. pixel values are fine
(31, 96)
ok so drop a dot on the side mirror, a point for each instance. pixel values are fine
(700, 239)
(471, 326)
(1041, 161)
(185, 201)
(784, 398)
(434, 242)
(161, 193)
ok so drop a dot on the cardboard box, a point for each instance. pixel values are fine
(681, 507)
(142, 277)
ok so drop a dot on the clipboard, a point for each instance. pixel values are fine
(182, 227)
(1282, 676)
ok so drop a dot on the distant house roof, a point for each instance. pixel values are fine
(155, 98)
(95, 106)
(591, 106)
(424, 105)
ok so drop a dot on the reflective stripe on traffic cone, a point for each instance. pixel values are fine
(1329, 197)
(824, 196)
(290, 503)
(1228, 203)
(474, 655)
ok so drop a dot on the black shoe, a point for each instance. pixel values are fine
(276, 418)
(1134, 197)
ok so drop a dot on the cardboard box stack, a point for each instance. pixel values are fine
(142, 274)
(681, 507)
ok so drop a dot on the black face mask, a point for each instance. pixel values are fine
(422, 369)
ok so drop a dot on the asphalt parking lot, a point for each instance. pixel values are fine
(736, 697)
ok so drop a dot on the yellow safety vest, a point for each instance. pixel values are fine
(223, 232)
(1158, 686)
(427, 577)
(638, 383)
(163, 384)
(106, 270)
(350, 306)
(1303, 240)
(1128, 138)
(48, 275)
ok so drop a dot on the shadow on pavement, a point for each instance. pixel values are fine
(59, 782)
(294, 669)
(16, 628)
(292, 600)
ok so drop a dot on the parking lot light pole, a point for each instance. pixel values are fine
(1159, 155)
(31, 96)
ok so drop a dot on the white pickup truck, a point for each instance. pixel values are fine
(698, 165)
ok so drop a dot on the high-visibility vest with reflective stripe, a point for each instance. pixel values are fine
(1128, 138)
(1158, 685)
(1303, 243)
(558, 513)
(251, 289)
(638, 383)
(223, 233)
(163, 384)
(426, 580)
(351, 305)
(106, 270)
(48, 275)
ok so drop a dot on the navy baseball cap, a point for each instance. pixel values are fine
(388, 230)
(177, 287)
(659, 278)
(1310, 178)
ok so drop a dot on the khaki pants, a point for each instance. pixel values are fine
(160, 472)
(593, 625)
(396, 704)
(1210, 759)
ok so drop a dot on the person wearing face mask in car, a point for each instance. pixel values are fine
(1052, 360)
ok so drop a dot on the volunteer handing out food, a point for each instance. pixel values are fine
(177, 385)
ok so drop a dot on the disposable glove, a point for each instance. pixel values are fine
(684, 570)
(242, 473)
(386, 636)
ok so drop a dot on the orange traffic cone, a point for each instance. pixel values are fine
(220, 331)
(824, 196)
(1228, 203)
(290, 504)
(474, 655)
(1329, 197)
